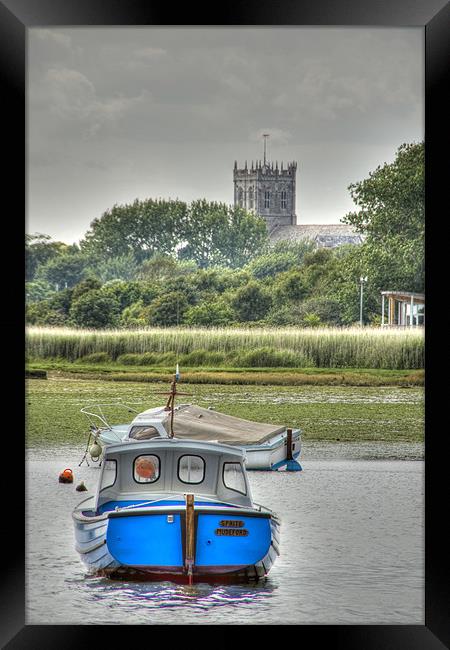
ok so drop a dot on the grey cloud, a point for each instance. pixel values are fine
(165, 111)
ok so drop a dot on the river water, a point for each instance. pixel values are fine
(352, 547)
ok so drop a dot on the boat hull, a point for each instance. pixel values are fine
(149, 544)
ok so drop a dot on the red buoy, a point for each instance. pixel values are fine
(66, 476)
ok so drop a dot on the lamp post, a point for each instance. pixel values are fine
(362, 280)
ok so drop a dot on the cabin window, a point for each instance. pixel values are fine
(146, 469)
(143, 433)
(109, 474)
(233, 477)
(191, 469)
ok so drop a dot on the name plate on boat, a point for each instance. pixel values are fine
(232, 532)
(231, 523)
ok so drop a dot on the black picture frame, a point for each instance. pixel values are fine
(434, 16)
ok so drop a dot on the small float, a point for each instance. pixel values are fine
(178, 510)
(267, 446)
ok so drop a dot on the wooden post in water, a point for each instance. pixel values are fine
(289, 444)
(190, 537)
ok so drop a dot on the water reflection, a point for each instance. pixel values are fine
(171, 596)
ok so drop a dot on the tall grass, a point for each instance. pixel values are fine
(396, 349)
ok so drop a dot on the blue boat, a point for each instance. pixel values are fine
(179, 510)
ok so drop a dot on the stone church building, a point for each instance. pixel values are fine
(269, 191)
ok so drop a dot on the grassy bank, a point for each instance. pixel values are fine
(375, 348)
(324, 413)
(114, 371)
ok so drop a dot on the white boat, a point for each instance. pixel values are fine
(179, 510)
(267, 446)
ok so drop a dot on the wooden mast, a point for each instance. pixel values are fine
(170, 406)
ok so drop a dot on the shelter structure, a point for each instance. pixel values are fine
(404, 309)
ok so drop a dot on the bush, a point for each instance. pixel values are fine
(209, 313)
(130, 359)
(168, 309)
(202, 358)
(85, 286)
(95, 310)
(269, 358)
(96, 357)
(251, 302)
(311, 320)
(271, 264)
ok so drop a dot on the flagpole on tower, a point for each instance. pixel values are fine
(265, 136)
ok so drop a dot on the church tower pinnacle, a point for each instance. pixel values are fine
(267, 190)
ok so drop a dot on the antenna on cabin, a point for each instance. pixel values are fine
(265, 136)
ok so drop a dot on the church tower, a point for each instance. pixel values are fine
(267, 190)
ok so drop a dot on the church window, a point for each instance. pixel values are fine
(283, 200)
(267, 199)
(241, 197)
(250, 198)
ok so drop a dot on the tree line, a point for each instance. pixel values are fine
(166, 262)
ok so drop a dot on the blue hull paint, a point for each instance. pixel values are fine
(114, 546)
(145, 540)
(215, 550)
(150, 541)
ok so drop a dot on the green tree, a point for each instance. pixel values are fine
(40, 249)
(141, 228)
(297, 249)
(66, 270)
(291, 285)
(135, 315)
(41, 313)
(123, 267)
(392, 217)
(270, 264)
(126, 293)
(219, 235)
(212, 314)
(38, 290)
(158, 267)
(61, 302)
(282, 256)
(94, 310)
(251, 302)
(244, 237)
(392, 199)
(84, 286)
(168, 309)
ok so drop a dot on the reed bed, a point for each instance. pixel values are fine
(396, 349)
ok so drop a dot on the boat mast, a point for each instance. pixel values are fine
(170, 406)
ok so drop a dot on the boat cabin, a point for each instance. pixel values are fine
(166, 469)
(152, 423)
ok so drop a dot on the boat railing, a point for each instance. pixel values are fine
(97, 417)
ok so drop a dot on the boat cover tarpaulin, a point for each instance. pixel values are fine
(204, 424)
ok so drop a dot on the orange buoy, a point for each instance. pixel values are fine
(66, 476)
(145, 468)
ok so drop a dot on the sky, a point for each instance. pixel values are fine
(115, 114)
